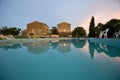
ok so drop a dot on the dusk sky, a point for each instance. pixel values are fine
(18, 13)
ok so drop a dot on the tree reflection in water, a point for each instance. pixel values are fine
(12, 46)
(64, 46)
(78, 43)
(61, 45)
(103, 48)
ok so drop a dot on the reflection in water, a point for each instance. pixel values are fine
(54, 43)
(13, 46)
(61, 45)
(64, 46)
(78, 43)
(91, 49)
(109, 50)
(37, 47)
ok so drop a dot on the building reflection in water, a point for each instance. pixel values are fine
(103, 48)
(64, 46)
(12, 46)
(37, 47)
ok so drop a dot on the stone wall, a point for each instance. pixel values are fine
(39, 29)
(36, 29)
(64, 29)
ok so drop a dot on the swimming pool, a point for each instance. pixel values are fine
(59, 59)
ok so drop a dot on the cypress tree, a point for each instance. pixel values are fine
(92, 28)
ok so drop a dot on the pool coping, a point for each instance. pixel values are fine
(27, 40)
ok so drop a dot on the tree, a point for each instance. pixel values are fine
(98, 29)
(92, 28)
(4, 30)
(79, 32)
(113, 26)
(117, 27)
(10, 31)
(54, 30)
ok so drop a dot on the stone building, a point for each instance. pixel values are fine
(64, 29)
(36, 29)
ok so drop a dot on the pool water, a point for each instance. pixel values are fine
(60, 59)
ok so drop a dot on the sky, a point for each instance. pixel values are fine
(18, 13)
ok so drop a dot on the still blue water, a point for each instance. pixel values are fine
(71, 59)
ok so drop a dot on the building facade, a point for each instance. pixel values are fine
(36, 29)
(64, 29)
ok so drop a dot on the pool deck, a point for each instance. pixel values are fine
(27, 40)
